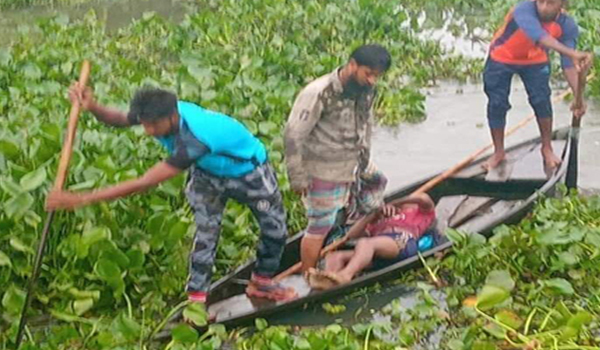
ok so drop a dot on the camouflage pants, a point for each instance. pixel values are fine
(208, 195)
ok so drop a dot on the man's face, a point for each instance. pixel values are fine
(548, 9)
(363, 78)
(160, 127)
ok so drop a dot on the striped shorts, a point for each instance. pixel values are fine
(326, 198)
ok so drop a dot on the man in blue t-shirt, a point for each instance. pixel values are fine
(226, 161)
(520, 46)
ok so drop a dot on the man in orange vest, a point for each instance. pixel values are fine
(521, 47)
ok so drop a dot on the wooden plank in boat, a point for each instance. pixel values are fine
(532, 165)
(489, 214)
(476, 170)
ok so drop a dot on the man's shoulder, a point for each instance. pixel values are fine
(319, 87)
(567, 22)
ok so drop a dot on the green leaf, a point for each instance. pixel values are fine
(128, 327)
(111, 274)
(13, 300)
(17, 206)
(10, 187)
(136, 258)
(495, 330)
(5, 56)
(176, 233)
(261, 324)
(559, 286)
(94, 235)
(18, 245)
(9, 149)
(196, 312)
(33, 180)
(455, 236)
(81, 306)
(4, 259)
(266, 128)
(500, 279)
(491, 296)
(111, 252)
(184, 334)
(582, 318)
(568, 258)
(509, 318)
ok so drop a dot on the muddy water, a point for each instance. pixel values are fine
(115, 13)
(456, 127)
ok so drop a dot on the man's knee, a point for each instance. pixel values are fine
(364, 244)
(542, 107)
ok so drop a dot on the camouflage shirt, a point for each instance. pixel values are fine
(328, 132)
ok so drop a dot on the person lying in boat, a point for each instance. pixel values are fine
(392, 235)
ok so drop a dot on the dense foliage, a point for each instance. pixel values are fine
(114, 271)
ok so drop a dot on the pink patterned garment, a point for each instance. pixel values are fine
(411, 220)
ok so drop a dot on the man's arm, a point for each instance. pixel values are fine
(359, 227)
(525, 16)
(155, 175)
(109, 116)
(303, 118)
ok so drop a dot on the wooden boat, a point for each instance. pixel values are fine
(471, 201)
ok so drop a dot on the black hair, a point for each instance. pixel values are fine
(373, 56)
(151, 104)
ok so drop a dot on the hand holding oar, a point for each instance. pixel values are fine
(61, 176)
(578, 109)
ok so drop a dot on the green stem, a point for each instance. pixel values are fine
(166, 319)
(529, 319)
(366, 345)
(129, 307)
(431, 273)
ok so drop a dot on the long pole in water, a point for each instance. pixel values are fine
(424, 188)
(65, 158)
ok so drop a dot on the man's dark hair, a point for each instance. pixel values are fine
(151, 104)
(373, 56)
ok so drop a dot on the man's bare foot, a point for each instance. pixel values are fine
(550, 159)
(325, 280)
(494, 161)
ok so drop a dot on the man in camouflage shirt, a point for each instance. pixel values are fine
(327, 140)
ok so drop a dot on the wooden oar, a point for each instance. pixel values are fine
(424, 188)
(65, 158)
(573, 166)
